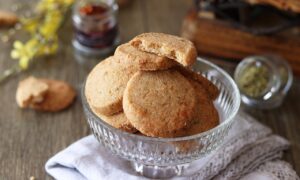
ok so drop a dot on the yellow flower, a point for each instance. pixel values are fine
(17, 47)
(30, 25)
(43, 28)
(24, 63)
(68, 2)
(20, 52)
(49, 49)
(32, 43)
(24, 52)
(51, 24)
(46, 5)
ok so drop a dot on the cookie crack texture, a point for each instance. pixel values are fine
(146, 61)
(173, 47)
(31, 91)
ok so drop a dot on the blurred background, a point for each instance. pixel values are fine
(225, 32)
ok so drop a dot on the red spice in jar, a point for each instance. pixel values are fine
(90, 10)
(97, 27)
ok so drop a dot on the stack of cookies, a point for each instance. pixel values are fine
(148, 88)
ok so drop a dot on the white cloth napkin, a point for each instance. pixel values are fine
(250, 151)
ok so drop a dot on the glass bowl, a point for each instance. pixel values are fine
(168, 157)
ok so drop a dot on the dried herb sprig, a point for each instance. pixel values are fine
(43, 27)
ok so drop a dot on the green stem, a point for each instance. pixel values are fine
(9, 72)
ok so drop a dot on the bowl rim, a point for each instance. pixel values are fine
(236, 105)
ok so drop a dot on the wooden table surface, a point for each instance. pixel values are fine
(28, 138)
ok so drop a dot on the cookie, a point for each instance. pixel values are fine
(159, 103)
(59, 96)
(30, 91)
(7, 18)
(206, 116)
(118, 121)
(173, 47)
(105, 85)
(212, 90)
(143, 60)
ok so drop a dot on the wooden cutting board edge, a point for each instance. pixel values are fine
(218, 39)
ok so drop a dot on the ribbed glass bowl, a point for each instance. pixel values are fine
(167, 157)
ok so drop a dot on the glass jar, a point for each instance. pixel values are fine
(263, 81)
(95, 27)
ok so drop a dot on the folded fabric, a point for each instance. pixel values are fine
(250, 151)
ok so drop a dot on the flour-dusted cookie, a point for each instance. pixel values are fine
(59, 96)
(7, 18)
(118, 120)
(206, 115)
(173, 47)
(105, 85)
(143, 60)
(30, 91)
(212, 90)
(159, 103)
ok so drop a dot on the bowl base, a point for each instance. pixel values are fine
(159, 172)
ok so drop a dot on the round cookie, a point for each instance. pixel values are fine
(119, 121)
(8, 18)
(206, 116)
(143, 60)
(212, 90)
(58, 96)
(159, 103)
(105, 85)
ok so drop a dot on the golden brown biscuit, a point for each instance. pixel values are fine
(31, 91)
(173, 47)
(105, 85)
(59, 96)
(206, 116)
(159, 103)
(7, 18)
(119, 121)
(143, 60)
(212, 90)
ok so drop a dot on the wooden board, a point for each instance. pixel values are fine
(285, 5)
(219, 39)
